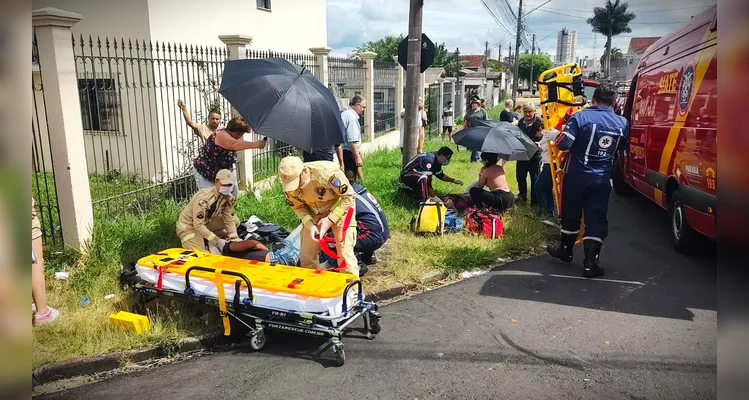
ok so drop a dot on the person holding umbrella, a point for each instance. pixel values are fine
(220, 152)
(492, 175)
(471, 120)
(417, 174)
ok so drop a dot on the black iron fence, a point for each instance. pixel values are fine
(432, 106)
(346, 78)
(384, 96)
(43, 174)
(265, 161)
(139, 148)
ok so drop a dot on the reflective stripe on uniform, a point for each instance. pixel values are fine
(306, 218)
(566, 232)
(593, 238)
(590, 143)
(211, 237)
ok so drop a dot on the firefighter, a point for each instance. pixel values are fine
(592, 136)
(209, 217)
(321, 196)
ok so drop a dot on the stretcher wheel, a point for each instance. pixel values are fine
(340, 355)
(374, 324)
(257, 340)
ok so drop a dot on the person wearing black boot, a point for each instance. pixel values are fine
(592, 135)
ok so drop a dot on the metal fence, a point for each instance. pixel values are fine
(346, 78)
(265, 161)
(384, 96)
(43, 175)
(434, 113)
(139, 149)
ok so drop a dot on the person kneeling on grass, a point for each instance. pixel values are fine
(371, 227)
(492, 175)
(417, 175)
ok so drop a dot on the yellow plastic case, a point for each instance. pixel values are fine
(262, 275)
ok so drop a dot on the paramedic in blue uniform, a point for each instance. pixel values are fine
(592, 136)
(418, 173)
(371, 228)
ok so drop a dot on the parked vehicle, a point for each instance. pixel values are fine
(672, 109)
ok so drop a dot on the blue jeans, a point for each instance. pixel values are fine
(545, 190)
(475, 155)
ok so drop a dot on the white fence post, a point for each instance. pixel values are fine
(63, 107)
(398, 92)
(321, 57)
(237, 46)
(368, 58)
(441, 82)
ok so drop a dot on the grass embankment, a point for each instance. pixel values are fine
(85, 330)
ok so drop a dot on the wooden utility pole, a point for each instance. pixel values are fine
(486, 68)
(411, 120)
(515, 77)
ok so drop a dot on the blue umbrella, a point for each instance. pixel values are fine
(283, 101)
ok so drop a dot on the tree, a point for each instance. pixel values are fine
(386, 48)
(616, 54)
(611, 20)
(452, 63)
(540, 62)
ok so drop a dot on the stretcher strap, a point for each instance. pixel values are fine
(217, 279)
(164, 268)
(325, 240)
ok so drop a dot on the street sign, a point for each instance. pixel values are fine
(427, 53)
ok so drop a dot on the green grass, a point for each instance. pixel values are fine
(85, 331)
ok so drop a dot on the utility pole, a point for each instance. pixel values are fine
(515, 77)
(486, 67)
(530, 78)
(499, 56)
(411, 125)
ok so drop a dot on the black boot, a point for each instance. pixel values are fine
(564, 250)
(592, 250)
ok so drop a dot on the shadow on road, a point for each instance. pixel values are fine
(644, 274)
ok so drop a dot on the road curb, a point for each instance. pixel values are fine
(108, 362)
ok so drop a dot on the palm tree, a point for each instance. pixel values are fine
(616, 54)
(611, 20)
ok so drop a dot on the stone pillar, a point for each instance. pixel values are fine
(460, 98)
(441, 82)
(321, 56)
(453, 97)
(237, 47)
(63, 106)
(398, 92)
(368, 58)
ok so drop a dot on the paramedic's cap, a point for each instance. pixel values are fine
(224, 176)
(289, 170)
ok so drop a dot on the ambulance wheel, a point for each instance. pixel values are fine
(340, 354)
(682, 234)
(257, 340)
(621, 187)
(374, 324)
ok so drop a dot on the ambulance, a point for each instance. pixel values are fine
(672, 107)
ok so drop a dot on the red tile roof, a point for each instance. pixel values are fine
(474, 60)
(640, 44)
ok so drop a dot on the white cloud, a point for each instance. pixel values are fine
(466, 23)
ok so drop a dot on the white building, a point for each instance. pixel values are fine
(566, 47)
(129, 93)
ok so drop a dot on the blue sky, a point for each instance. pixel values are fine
(468, 25)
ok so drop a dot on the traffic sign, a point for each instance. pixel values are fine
(427, 53)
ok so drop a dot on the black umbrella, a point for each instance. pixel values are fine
(512, 130)
(283, 101)
(492, 140)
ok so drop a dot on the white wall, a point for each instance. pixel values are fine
(113, 18)
(290, 26)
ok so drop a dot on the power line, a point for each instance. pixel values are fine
(642, 10)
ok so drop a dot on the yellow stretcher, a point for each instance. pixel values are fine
(258, 295)
(561, 92)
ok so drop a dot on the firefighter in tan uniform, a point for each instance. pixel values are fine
(320, 195)
(209, 216)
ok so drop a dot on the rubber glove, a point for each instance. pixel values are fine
(325, 225)
(220, 243)
(314, 232)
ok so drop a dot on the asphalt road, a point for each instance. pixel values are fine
(529, 329)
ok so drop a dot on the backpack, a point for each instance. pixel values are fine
(430, 218)
(484, 222)
(453, 224)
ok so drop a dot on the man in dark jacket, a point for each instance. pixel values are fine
(532, 126)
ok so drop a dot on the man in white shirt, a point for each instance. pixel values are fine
(352, 161)
(447, 122)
